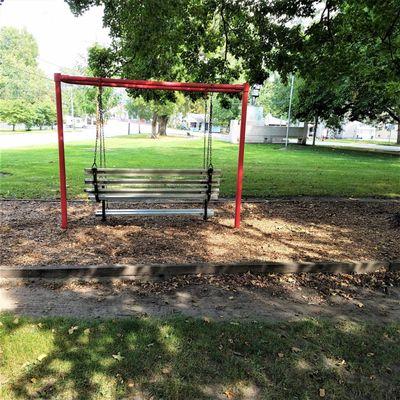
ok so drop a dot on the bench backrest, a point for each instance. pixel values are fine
(123, 184)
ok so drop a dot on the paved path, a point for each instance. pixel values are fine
(360, 145)
(113, 128)
(111, 300)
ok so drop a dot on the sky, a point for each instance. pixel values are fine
(62, 38)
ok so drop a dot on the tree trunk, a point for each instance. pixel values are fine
(398, 132)
(13, 127)
(315, 130)
(139, 126)
(154, 126)
(162, 125)
(305, 134)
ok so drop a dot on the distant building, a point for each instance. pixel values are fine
(356, 130)
(195, 123)
(265, 130)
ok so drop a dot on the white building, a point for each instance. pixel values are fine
(265, 130)
(195, 123)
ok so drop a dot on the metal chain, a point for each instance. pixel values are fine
(100, 141)
(205, 132)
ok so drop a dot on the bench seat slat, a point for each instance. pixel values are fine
(149, 212)
(147, 172)
(151, 196)
(152, 170)
(152, 190)
(125, 181)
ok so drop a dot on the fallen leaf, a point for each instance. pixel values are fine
(321, 392)
(206, 319)
(118, 356)
(229, 394)
(86, 331)
(16, 321)
(42, 357)
(40, 325)
(33, 380)
(166, 370)
(360, 305)
(296, 349)
(281, 355)
(370, 354)
(72, 329)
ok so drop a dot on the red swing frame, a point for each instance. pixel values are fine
(243, 89)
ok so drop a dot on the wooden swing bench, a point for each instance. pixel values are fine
(162, 186)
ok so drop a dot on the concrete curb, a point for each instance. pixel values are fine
(164, 271)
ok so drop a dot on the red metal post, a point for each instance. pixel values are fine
(61, 154)
(239, 178)
(155, 85)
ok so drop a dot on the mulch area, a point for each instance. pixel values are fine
(298, 230)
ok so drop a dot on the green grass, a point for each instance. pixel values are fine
(185, 358)
(269, 170)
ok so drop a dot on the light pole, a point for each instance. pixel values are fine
(290, 110)
(72, 108)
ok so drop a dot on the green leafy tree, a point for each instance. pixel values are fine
(175, 41)
(275, 96)
(346, 51)
(44, 114)
(83, 99)
(350, 61)
(225, 109)
(347, 54)
(138, 108)
(20, 77)
(15, 112)
(161, 112)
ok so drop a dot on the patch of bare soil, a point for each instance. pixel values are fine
(373, 297)
(278, 230)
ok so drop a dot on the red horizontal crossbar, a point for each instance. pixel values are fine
(155, 85)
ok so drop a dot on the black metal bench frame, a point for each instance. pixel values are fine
(155, 186)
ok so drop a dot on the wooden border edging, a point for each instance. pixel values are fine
(164, 271)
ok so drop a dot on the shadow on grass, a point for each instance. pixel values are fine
(185, 358)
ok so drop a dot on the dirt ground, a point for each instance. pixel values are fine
(298, 230)
(373, 297)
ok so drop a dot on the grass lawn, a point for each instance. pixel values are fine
(269, 170)
(185, 358)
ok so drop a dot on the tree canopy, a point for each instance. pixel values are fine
(25, 93)
(347, 52)
(20, 76)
